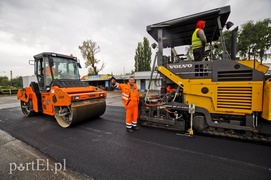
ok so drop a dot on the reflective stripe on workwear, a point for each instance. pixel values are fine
(125, 93)
(130, 94)
(129, 126)
(196, 42)
(125, 96)
(134, 124)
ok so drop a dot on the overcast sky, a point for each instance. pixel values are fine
(29, 27)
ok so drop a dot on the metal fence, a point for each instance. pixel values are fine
(8, 91)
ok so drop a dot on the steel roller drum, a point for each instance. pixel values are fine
(79, 111)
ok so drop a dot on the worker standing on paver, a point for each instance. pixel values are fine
(199, 41)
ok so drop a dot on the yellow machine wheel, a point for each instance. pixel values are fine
(66, 116)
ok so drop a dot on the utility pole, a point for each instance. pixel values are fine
(10, 78)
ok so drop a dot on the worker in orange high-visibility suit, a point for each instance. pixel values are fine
(130, 100)
(48, 72)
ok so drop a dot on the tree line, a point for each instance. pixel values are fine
(5, 83)
(253, 42)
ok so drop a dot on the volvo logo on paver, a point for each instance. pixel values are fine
(180, 66)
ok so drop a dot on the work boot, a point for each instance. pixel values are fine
(135, 128)
(129, 130)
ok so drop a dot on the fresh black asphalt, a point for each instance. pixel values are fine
(102, 149)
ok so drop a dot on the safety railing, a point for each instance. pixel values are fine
(8, 91)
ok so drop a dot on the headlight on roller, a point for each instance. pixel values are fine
(75, 98)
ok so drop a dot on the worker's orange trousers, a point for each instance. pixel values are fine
(131, 116)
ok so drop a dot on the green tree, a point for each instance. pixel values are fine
(88, 50)
(147, 54)
(138, 57)
(255, 39)
(5, 82)
(17, 82)
(263, 29)
(5, 78)
(143, 56)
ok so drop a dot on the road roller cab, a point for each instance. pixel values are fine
(59, 92)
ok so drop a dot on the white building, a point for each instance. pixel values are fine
(143, 80)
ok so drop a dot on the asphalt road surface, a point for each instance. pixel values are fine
(102, 149)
